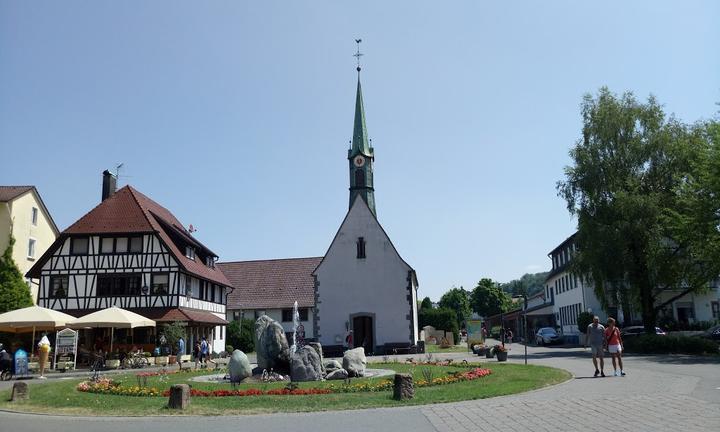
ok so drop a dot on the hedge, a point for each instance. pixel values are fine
(655, 344)
(441, 319)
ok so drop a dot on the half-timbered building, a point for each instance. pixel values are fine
(131, 252)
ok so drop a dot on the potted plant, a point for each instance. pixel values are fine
(489, 352)
(150, 359)
(501, 352)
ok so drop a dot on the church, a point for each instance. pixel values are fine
(360, 287)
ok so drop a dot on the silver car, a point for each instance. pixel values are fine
(546, 336)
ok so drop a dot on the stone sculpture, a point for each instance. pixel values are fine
(354, 362)
(239, 366)
(305, 365)
(272, 348)
(337, 374)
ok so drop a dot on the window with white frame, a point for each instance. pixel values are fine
(34, 216)
(31, 248)
(190, 252)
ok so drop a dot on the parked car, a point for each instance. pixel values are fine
(713, 333)
(639, 330)
(547, 336)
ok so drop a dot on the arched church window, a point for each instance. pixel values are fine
(359, 177)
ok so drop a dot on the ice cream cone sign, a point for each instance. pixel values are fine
(44, 351)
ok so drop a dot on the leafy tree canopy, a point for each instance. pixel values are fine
(529, 284)
(14, 292)
(426, 303)
(641, 187)
(489, 299)
(458, 300)
(241, 335)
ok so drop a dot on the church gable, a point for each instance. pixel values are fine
(361, 238)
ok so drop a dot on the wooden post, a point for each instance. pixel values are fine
(403, 388)
(19, 391)
(179, 396)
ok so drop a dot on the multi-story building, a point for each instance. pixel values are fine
(568, 293)
(24, 216)
(131, 252)
(571, 294)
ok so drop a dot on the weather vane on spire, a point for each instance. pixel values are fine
(358, 54)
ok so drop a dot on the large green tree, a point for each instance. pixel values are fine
(529, 284)
(629, 186)
(14, 292)
(426, 303)
(488, 298)
(458, 300)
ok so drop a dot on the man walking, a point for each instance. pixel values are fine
(596, 339)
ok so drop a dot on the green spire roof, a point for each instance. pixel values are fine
(360, 138)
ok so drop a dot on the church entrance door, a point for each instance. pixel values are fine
(363, 333)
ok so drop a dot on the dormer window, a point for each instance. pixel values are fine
(210, 262)
(190, 252)
(360, 247)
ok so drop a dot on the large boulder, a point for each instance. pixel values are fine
(318, 349)
(239, 366)
(337, 374)
(305, 365)
(354, 362)
(332, 365)
(272, 347)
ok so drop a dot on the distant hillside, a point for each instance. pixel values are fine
(533, 283)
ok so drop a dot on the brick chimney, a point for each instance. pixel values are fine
(109, 184)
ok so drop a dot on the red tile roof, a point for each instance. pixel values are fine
(129, 211)
(9, 193)
(271, 283)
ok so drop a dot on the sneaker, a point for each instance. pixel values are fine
(597, 372)
(622, 373)
(602, 374)
(617, 373)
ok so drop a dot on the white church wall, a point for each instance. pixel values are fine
(376, 284)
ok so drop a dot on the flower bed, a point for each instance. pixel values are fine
(107, 386)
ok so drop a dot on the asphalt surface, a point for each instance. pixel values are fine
(659, 393)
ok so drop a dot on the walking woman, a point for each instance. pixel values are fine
(613, 342)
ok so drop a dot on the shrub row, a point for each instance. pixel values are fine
(654, 344)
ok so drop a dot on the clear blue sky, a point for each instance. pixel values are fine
(237, 115)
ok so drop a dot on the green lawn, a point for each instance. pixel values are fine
(60, 397)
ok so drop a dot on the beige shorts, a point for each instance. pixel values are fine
(615, 349)
(597, 350)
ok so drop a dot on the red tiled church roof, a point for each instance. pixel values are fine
(271, 283)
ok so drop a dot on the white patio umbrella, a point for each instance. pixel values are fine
(113, 317)
(33, 318)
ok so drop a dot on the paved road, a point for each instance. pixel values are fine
(666, 393)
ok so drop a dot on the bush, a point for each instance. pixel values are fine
(495, 332)
(241, 335)
(229, 349)
(584, 319)
(441, 319)
(173, 332)
(654, 344)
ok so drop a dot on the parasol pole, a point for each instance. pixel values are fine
(32, 343)
(112, 334)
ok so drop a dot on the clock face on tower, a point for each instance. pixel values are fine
(359, 161)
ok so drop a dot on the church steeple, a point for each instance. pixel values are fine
(361, 155)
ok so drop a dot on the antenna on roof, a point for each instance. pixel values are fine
(191, 228)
